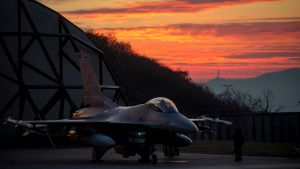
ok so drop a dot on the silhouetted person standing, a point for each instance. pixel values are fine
(238, 140)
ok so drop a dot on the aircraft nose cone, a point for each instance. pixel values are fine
(185, 125)
(192, 126)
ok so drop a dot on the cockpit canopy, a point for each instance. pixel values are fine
(161, 104)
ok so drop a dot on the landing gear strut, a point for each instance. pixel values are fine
(147, 151)
(97, 154)
(154, 159)
(170, 151)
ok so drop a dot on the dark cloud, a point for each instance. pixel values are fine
(254, 29)
(266, 54)
(219, 1)
(240, 28)
(268, 19)
(232, 64)
(213, 64)
(164, 6)
(297, 59)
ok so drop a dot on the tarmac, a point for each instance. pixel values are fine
(79, 158)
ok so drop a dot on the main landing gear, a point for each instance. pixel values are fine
(147, 152)
(170, 151)
(154, 159)
(97, 154)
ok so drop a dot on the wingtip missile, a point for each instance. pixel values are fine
(228, 123)
(18, 123)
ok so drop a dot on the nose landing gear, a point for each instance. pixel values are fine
(170, 151)
(146, 153)
(154, 159)
(97, 154)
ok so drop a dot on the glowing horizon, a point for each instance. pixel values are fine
(241, 38)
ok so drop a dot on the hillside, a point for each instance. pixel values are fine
(142, 78)
(285, 86)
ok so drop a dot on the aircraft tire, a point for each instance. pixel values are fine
(97, 154)
(170, 151)
(154, 159)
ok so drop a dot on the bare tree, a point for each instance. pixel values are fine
(248, 103)
(267, 99)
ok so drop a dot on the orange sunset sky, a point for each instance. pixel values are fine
(241, 38)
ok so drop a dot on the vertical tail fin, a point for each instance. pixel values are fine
(93, 95)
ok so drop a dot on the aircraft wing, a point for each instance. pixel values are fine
(216, 120)
(203, 128)
(34, 124)
(38, 123)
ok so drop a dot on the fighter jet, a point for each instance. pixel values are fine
(129, 130)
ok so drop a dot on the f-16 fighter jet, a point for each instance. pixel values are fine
(129, 130)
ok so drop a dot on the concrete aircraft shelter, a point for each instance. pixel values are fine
(39, 71)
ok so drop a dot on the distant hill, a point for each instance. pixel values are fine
(142, 78)
(285, 86)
